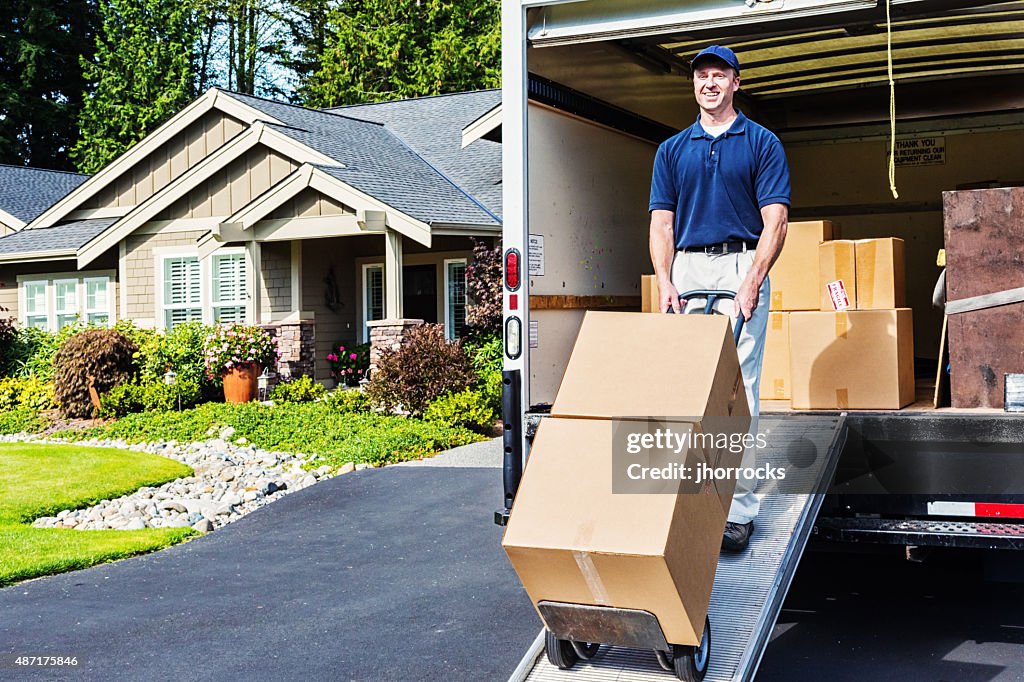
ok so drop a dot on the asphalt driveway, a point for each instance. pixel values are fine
(383, 574)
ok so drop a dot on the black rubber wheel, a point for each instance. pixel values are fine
(665, 660)
(691, 662)
(586, 650)
(561, 653)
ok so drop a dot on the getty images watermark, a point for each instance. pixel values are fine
(690, 454)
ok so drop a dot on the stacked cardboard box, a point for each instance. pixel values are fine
(570, 538)
(857, 352)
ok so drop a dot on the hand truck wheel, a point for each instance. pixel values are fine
(560, 652)
(690, 663)
(586, 650)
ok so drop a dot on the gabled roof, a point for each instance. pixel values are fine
(432, 126)
(63, 239)
(27, 192)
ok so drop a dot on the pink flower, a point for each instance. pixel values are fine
(341, 349)
(352, 356)
(349, 370)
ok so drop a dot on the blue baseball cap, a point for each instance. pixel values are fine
(718, 52)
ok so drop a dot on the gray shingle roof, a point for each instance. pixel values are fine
(69, 236)
(432, 126)
(428, 177)
(27, 192)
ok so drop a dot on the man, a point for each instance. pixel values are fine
(719, 209)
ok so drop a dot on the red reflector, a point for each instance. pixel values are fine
(512, 269)
(513, 301)
(1006, 511)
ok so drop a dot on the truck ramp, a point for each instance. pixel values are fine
(749, 587)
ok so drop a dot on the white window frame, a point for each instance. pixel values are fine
(86, 311)
(364, 285)
(242, 302)
(50, 281)
(449, 331)
(160, 254)
(75, 312)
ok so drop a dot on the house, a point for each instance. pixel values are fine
(27, 192)
(320, 224)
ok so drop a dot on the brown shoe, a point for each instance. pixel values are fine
(737, 536)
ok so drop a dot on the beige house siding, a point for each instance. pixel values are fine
(276, 290)
(230, 189)
(9, 274)
(180, 153)
(311, 203)
(141, 304)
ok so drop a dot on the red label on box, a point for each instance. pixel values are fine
(837, 293)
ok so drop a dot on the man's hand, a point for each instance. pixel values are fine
(668, 297)
(746, 298)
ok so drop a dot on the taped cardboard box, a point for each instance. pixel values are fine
(857, 359)
(837, 262)
(571, 540)
(649, 294)
(794, 277)
(881, 274)
(629, 365)
(775, 375)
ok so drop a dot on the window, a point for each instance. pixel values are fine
(182, 291)
(373, 290)
(455, 298)
(52, 302)
(229, 287)
(66, 291)
(97, 305)
(35, 305)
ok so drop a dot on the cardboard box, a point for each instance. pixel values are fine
(881, 274)
(857, 359)
(794, 277)
(571, 540)
(649, 294)
(629, 365)
(837, 261)
(775, 375)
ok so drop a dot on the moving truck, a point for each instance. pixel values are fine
(590, 88)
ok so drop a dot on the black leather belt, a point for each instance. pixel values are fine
(735, 246)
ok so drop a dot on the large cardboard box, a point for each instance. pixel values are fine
(837, 261)
(572, 541)
(857, 359)
(775, 375)
(794, 277)
(881, 274)
(629, 365)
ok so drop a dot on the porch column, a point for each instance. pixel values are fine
(392, 275)
(296, 272)
(254, 267)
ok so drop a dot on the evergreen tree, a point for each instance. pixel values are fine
(41, 80)
(389, 49)
(143, 72)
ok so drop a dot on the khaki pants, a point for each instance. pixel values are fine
(727, 271)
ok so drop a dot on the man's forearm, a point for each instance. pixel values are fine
(662, 244)
(776, 222)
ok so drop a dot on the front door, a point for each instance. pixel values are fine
(419, 292)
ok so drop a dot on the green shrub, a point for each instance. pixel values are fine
(424, 368)
(104, 356)
(140, 395)
(301, 390)
(349, 362)
(348, 400)
(21, 420)
(486, 355)
(29, 392)
(8, 335)
(33, 351)
(467, 408)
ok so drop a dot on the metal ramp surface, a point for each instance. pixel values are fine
(749, 587)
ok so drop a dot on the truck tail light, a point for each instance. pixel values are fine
(513, 337)
(513, 269)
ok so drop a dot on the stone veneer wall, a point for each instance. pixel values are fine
(297, 343)
(387, 335)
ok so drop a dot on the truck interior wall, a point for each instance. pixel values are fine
(851, 174)
(589, 191)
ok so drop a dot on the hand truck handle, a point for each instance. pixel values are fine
(711, 296)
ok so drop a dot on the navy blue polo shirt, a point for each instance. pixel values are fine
(718, 185)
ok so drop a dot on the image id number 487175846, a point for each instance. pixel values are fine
(20, 661)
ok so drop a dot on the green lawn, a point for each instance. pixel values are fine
(41, 480)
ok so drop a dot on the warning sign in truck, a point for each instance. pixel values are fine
(921, 151)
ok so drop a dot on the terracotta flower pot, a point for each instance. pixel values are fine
(240, 383)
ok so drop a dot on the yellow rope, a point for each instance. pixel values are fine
(892, 104)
